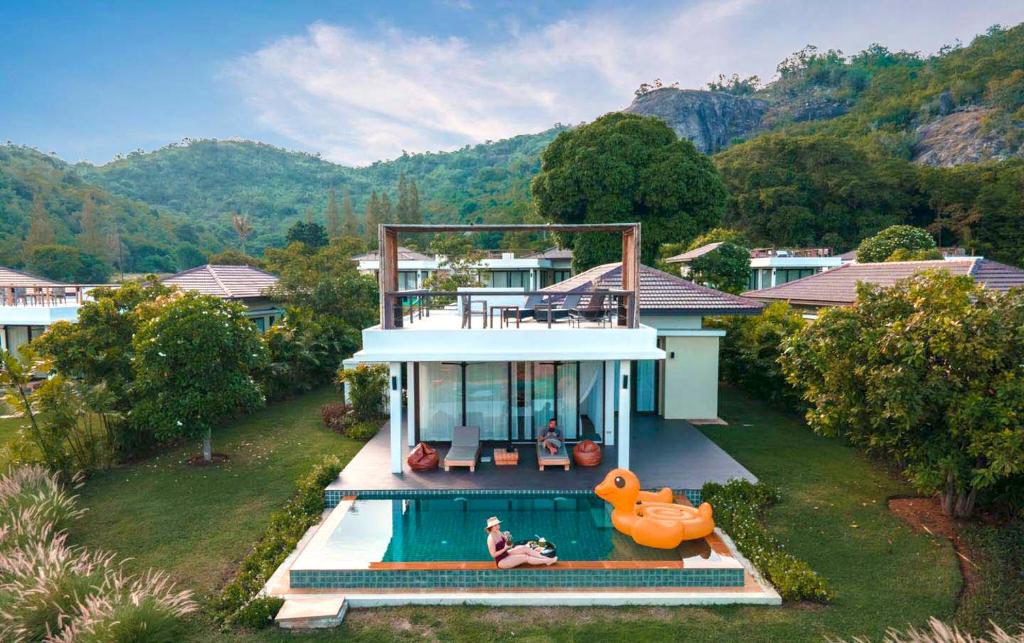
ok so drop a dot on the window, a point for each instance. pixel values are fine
(261, 323)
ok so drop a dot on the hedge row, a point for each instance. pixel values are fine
(239, 603)
(739, 509)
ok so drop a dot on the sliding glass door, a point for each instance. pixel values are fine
(510, 401)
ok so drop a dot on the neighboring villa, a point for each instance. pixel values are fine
(770, 267)
(838, 287)
(29, 304)
(244, 284)
(497, 269)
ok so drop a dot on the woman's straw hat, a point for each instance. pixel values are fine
(492, 522)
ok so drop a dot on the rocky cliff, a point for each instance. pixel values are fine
(711, 120)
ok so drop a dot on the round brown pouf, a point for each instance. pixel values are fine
(423, 458)
(587, 454)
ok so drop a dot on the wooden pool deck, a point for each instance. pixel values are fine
(664, 453)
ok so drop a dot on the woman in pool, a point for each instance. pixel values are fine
(506, 555)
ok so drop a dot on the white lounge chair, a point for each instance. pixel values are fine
(465, 450)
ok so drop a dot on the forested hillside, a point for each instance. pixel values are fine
(833, 149)
(48, 209)
(209, 180)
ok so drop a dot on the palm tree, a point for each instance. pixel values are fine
(243, 228)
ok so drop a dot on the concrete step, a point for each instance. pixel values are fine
(312, 612)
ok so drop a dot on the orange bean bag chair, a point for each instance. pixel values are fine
(423, 458)
(587, 454)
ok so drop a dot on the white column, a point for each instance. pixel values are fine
(773, 277)
(410, 397)
(395, 408)
(624, 403)
(609, 403)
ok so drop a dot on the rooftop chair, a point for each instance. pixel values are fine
(559, 310)
(465, 449)
(596, 309)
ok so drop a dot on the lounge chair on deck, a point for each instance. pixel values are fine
(560, 308)
(547, 459)
(465, 449)
(595, 310)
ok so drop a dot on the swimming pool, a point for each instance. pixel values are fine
(439, 541)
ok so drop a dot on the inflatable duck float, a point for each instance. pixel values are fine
(651, 519)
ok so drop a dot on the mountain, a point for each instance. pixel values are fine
(207, 180)
(830, 151)
(962, 105)
(710, 120)
(144, 235)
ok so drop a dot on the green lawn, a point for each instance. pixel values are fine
(198, 522)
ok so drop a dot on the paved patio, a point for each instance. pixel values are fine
(664, 453)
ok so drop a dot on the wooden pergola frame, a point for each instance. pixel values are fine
(387, 235)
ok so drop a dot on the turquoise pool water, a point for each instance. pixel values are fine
(451, 528)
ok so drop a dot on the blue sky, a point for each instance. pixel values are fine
(358, 82)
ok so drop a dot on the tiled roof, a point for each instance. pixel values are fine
(226, 282)
(838, 287)
(18, 279)
(661, 292)
(552, 253)
(404, 254)
(690, 255)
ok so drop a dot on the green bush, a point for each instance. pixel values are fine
(751, 349)
(363, 429)
(283, 533)
(739, 509)
(367, 389)
(257, 613)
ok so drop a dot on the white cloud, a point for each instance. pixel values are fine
(360, 97)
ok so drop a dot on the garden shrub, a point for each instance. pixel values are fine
(43, 584)
(333, 414)
(34, 506)
(362, 430)
(257, 613)
(283, 533)
(751, 349)
(739, 510)
(130, 609)
(52, 591)
(367, 389)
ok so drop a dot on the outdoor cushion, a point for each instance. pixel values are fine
(423, 458)
(587, 454)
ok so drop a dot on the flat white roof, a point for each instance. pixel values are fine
(440, 337)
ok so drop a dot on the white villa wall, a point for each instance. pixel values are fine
(691, 377)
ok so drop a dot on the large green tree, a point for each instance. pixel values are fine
(815, 189)
(98, 349)
(195, 361)
(927, 373)
(727, 268)
(624, 168)
(897, 241)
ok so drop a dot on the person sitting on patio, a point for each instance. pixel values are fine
(505, 554)
(551, 439)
